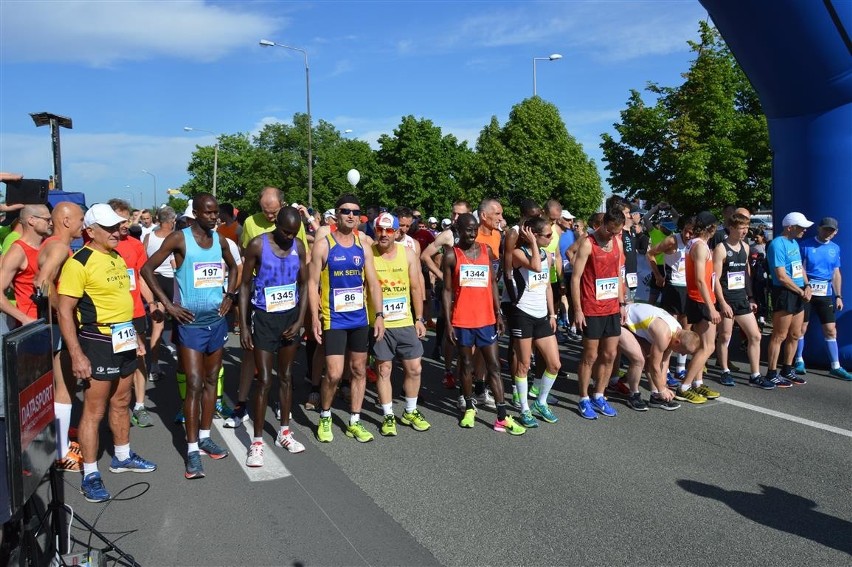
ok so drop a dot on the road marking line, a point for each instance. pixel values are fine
(238, 441)
(788, 417)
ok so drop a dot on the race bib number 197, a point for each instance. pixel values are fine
(207, 274)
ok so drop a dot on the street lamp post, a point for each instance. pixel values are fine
(553, 57)
(268, 43)
(215, 153)
(155, 187)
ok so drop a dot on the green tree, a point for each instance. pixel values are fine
(420, 167)
(702, 144)
(534, 156)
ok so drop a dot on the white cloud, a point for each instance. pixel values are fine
(104, 33)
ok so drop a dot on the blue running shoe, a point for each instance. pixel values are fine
(793, 377)
(601, 406)
(209, 447)
(761, 382)
(527, 420)
(672, 383)
(133, 463)
(779, 381)
(841, 373)
(93, 488)
(586, 409)
(179, 417)
(543, 411)
(799, 367)
(193, 466)
(725, 379)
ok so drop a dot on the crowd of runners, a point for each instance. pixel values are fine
(663, 293)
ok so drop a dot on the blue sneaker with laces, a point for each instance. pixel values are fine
(725, 379)
(601, 406)
(840, 373)
(543, 411)
(672, 383)
(586, 409)
(761, 382)
(193, 466)
(93, 488)
(799, 367)
(527, 420)
(133, 463)
(209, 447)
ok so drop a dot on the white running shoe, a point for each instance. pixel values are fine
(485, 399)
(288, 442)
(255, 455)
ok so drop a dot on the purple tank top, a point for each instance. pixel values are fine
(276, 287)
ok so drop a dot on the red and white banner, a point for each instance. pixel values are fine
(36, 403)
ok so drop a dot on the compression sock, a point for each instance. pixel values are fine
(522, 386)
(547, 381)
(833, 353)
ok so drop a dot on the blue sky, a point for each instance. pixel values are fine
(131, 75)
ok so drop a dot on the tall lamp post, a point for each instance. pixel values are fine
(268, 43)
(215, 152)
(553, 57)
(155, 187)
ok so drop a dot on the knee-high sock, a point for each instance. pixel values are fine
(63, 423)
(220, 385)
(523, 389)
(547, 381)
(800, 347)
(181, 384)
(833, 353)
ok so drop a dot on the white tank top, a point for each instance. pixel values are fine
(533, 286)
(640, 317)
(154, 243)
(676, 264)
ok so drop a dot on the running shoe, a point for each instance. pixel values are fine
(133, 463)
(359, 432)
(690, 396)
(209, 447)
(93, 488)
(221, 411)
(141, 418)
(255, 455)
(72, 461)
(794, 378)
(705, 391)
(761, 382)
(193, 466)
(779, 381)
(388, 428)
(574, 336)
(287, 441)
(527, 420)
(840, 373)
(415, 419)
(462, 404)
(635, 402)
(681, 374)
(586, 410)
(324, 434)
(237, 418)
(276, 409)
(485, 399)
(619, 389)
(672, 383)
(543, 411)
(509, 426)
(601, 406)
(313, 401)
(534, 392)
(468, 418)
(656, 401)
(799, 367)
(449, 380)
(516, 400)
(725, 379)
(179, 417)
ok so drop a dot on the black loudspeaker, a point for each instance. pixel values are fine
(27, 191)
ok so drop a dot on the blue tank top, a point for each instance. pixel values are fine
(276, 288)
(200, 279)
(342, 287)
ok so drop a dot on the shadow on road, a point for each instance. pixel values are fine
(781, 510)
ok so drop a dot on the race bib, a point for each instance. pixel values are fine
(632, 280)
(475, 275)
(736, 280)
(796, 269)
(132, 275)
(537, 280)
(123, 337)
(280, 298)
(606, 288)
(395, 308)
(208, 274)
(819, 289)
(348, 299)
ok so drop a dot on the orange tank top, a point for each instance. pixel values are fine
(473, 303)
(23, 282)
(600, 280)
(709, 275)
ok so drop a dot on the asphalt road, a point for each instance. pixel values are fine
(725, 483)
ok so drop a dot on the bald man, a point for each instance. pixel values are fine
(19, 266)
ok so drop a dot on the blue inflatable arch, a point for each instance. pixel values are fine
(798, 56)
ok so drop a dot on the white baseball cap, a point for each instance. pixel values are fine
(188, 212)
(796, 219)
(566, 215)
(102, 214)
(432, 220)
(445, 224)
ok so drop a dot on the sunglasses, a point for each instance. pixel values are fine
(548, 235)
(384, 230)
(45, 219)
(356, 212)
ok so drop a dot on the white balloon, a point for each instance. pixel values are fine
(353, 176)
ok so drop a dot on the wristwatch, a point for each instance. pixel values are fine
(380, 314)
(422, 320)
(232, 295)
